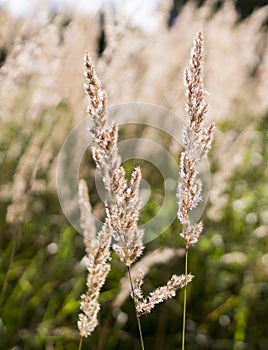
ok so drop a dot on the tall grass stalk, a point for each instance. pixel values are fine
(123, 202)
(196, 140)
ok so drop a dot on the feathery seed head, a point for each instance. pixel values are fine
(196, 140)
(122, 207)
(145, 306)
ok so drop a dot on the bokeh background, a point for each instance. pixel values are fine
(140, 50)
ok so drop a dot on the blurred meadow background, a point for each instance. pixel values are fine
(140, 50)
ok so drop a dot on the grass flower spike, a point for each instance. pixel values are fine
(145, 305)
(123, 203)
(98, 253)
(196, 141)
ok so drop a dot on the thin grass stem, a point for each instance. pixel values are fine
(137, 317)
(80, 343)
(184, 299)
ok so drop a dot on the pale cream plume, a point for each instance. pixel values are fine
(196, 140)
(122, 206)
(98, 253)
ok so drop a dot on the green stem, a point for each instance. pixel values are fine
(185, 298)
(137, 316)
(80, 343)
